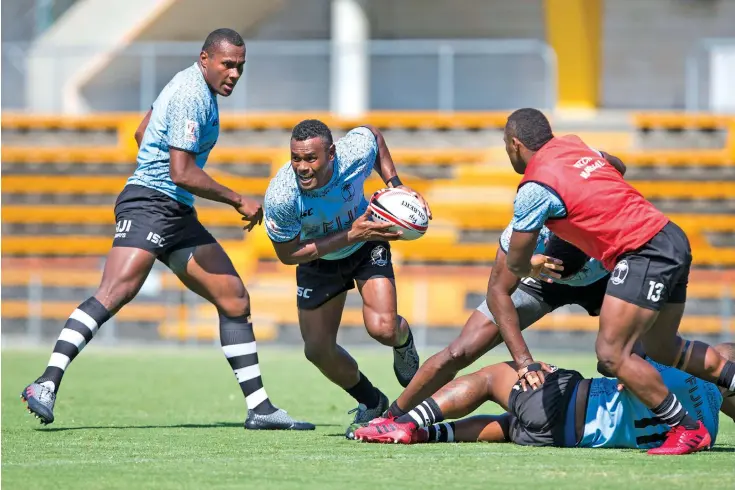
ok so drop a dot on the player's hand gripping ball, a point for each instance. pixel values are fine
(403, 210)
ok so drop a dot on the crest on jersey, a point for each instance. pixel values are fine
(620, 273)
(348, 192)
(379, 256)
(191, 131)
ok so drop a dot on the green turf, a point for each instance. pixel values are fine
(172, 419)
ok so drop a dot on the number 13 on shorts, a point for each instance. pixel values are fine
(654, 291)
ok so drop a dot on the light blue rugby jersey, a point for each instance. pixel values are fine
(619, 419)
(291, 212)
(185, 116)
(591, 272)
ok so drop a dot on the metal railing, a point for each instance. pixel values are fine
(444, 75)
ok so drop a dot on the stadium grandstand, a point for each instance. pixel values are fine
(438, 81)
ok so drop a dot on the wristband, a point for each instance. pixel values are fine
(394, 182)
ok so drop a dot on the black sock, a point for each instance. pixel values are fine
(238, 343)
(364, 392)
(441, 432)
(78, 331)
(727, 376)
(395, 410)
(671, 412)
(427, 413)
(407, 342)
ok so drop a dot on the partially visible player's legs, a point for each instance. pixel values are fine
(380, 313)
(621, 324)
(208, 271)
(319, 328)
(480, 428)
(479, 335)
(457, 399)
(662, 344)
(126, 269)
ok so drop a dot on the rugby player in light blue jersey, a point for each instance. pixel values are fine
(566, 411)
(316, 216)
(156, 220)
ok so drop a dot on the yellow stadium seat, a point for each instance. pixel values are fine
(680, 120)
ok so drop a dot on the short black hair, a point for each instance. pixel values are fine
(220, 36)
(312, 128)
(531, 128)
(574, 259)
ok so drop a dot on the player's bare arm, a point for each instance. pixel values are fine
(186, 174)
(500, 287)
(523, 263)
(362, 230)
(386, 168)
(142, 127)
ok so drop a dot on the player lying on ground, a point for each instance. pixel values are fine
(316, 216)
(566, 411)
(156, 220)
(517, 302)
(581, 198)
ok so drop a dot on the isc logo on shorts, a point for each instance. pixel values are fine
(303, 292)
(155, 238)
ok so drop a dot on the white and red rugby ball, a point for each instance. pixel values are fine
(401, 208)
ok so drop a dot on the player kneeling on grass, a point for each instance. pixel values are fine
(566, 411)
(317, 217)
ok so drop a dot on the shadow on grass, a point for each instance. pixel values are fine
(215, 425)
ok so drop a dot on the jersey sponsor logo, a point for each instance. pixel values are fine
(348, 192)
(191, 131)
(304, 292)
(619, 273)
(379, 256)
(155, 238)
(122, 228)
(308, 212)
(589, 165)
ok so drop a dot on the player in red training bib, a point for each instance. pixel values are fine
(577, 193)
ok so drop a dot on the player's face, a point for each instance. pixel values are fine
(513, 149)
(223, 68)
(311, 161)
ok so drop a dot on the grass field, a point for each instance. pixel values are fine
(163, 419)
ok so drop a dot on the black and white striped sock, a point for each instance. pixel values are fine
(672, 413)
(425, 414)
(78, 331)
(238, 343)
(441, 432)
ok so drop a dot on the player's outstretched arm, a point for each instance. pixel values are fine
(186, 174)
(363, 229)
(386, 168)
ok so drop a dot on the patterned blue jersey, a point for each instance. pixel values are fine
(291, 212)
(619, 419)
(591, 272)
(185, 116)
(533, 205)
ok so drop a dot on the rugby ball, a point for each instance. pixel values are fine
(401, 208)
